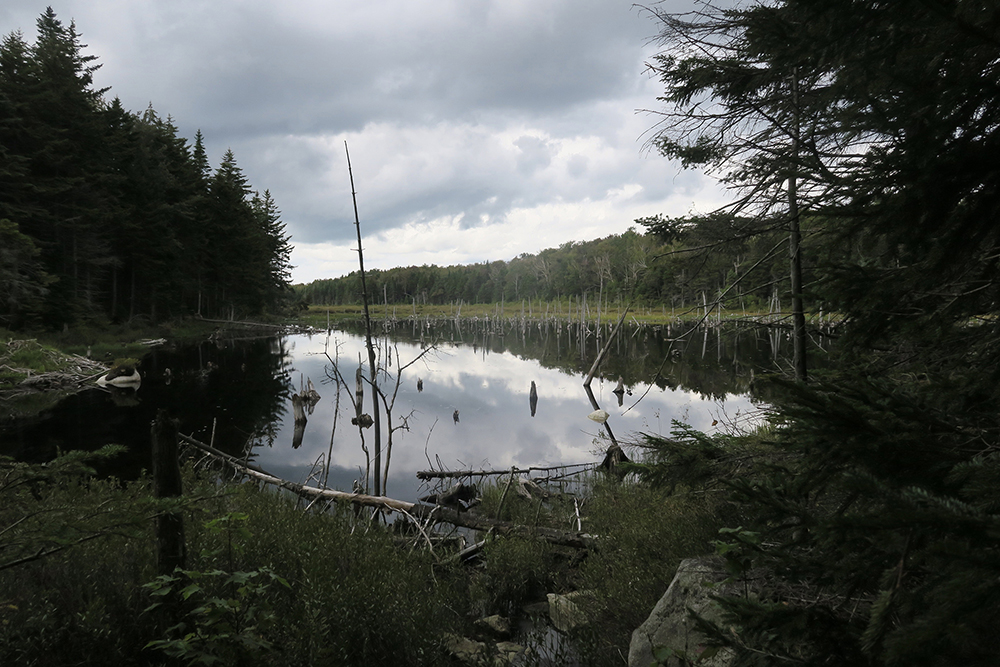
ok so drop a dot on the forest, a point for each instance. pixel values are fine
(675, 262)
(107, 215)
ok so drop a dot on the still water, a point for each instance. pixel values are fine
(236, 391)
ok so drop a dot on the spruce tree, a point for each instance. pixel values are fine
(877, 513)
(278, 250)
(61, 139)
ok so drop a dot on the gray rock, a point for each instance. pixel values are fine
(508, 653)
(464, 650)
(566, 612)
(670, 626)
(497, 626)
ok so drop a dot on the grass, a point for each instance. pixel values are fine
(320, 588)
(353, 597)
(25, 353)
(30, 354)
(109, 341)
(319, 315)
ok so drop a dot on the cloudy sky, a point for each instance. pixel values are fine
(478, 129)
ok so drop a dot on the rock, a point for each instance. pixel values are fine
(464, 650)
(670, 626)
(508, 654)
(565, 611)
(478, 654)
(497, 626)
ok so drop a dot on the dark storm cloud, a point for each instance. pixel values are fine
(468, 113)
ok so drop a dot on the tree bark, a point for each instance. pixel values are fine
(794, 248)
(170, 547)
(373, 370)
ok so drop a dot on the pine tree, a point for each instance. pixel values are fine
(237, 263)
(111, 213)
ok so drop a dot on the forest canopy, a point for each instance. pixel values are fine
(680, 263)
(107, 214)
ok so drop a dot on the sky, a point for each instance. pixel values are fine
(478, 130)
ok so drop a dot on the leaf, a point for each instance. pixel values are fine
(190, 590)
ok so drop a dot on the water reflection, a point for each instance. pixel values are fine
(470, 375)
(223, 390)
(475, 379)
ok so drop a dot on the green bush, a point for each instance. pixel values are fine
(515, 572)
(354, 597)
(645, 533)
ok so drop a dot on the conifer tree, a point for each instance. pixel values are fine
(878, 513)
(278, 250)
(60, 137)
(111, 213)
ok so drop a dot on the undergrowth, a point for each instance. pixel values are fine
(267, 583)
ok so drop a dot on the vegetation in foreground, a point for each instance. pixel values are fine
(268, 583)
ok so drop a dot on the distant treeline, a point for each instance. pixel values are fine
(109, 214)
(680, 262)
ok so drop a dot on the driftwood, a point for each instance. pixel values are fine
(76, 371)
(244, 323)
(424, 512)
(615, 454)
(446, 474)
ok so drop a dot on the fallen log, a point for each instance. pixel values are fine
(244, 323)
(429, 513)
(445, 474)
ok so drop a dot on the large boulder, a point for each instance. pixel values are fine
(670, 626)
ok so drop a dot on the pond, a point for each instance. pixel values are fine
(463, 396)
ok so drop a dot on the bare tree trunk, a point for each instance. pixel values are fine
(426, 512)
(794, 248)
(373, 370)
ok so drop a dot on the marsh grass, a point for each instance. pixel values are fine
(319, 315)
(515, 572)
(355, 596)
(500, 501)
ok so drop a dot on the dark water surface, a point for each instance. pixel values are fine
(236, 392)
